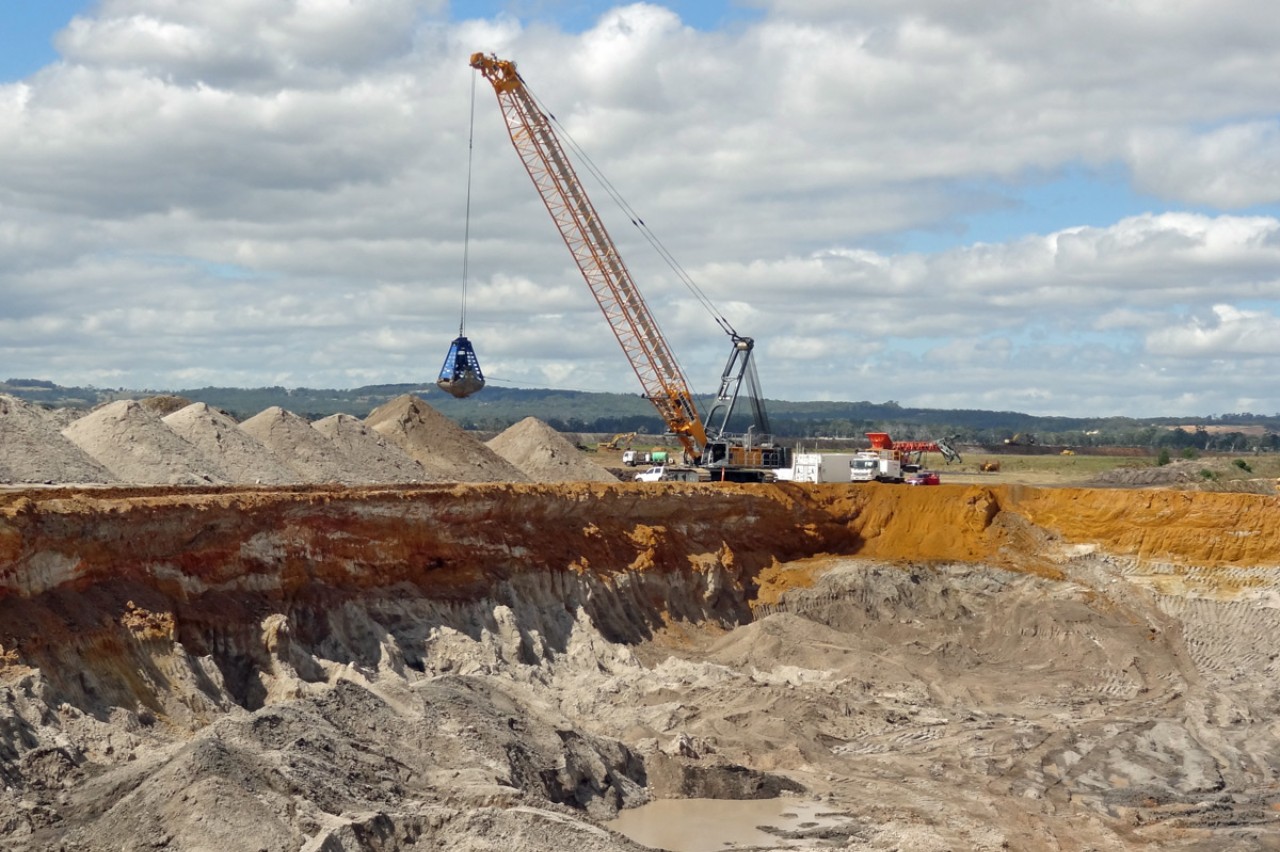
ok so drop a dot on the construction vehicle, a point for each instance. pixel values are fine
(664, 473)
(631, 458)
(913, 451)
(617, 442)
(892, 461)
(888, 461)
(750, 456)
(946, 446)
(876, 465)
(657, 473)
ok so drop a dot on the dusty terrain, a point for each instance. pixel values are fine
(507, 665)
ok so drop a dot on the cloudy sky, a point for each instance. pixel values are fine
(1052, 207)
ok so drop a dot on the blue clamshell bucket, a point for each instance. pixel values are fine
(460, 375)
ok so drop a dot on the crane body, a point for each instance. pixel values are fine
(580, 226)
(632, 322)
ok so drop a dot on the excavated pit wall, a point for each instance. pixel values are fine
(85, 575)
(131, 616)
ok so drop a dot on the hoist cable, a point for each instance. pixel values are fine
(638, 222)
(466, 230)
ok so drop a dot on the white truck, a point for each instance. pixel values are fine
(876, 466)
(631, 458)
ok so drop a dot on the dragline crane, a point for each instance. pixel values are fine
(625, 309)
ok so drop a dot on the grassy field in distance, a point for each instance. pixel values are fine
(1218, 470)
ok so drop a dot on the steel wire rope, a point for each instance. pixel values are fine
(466, 228)
(636, 220)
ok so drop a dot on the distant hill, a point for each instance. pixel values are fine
(496, 408)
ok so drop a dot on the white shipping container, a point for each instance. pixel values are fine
(821, 467)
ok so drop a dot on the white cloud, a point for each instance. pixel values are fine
(272, 191)
(254, 43)
(1225, 333)
(1230, 167)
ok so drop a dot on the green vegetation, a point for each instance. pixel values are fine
(1214, 472)
(1053, 467)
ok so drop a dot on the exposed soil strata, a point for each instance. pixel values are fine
(506, 665)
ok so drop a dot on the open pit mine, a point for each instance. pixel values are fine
(534, 665)
(510, 666)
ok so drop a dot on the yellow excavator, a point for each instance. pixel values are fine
(617, 442)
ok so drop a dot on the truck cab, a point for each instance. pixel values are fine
(875, 466)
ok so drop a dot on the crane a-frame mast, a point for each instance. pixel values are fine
(661, 378)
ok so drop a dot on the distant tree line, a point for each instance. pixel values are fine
(496, 408)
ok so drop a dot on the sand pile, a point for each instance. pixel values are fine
(545, 455)
(309, 454)
(33, 449)
(1202, 474)
(216, 434)
(60, 418)
(164, 404)
(441, 446)
(137, 446)
(377, 457)
(1178, 472)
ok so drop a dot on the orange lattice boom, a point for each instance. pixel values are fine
(593, 250)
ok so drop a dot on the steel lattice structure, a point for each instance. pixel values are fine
(634, 325)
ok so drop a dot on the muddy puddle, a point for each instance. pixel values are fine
(707, 825)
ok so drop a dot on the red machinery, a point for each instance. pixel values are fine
(882, 441)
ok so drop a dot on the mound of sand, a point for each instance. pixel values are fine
(545, 455)
(309, 454)
(61, 418)
(33, 449)
(1178, 472)
(378, 457)
(245, 459)
(164, 404)
(137, 446)
(441, 446)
